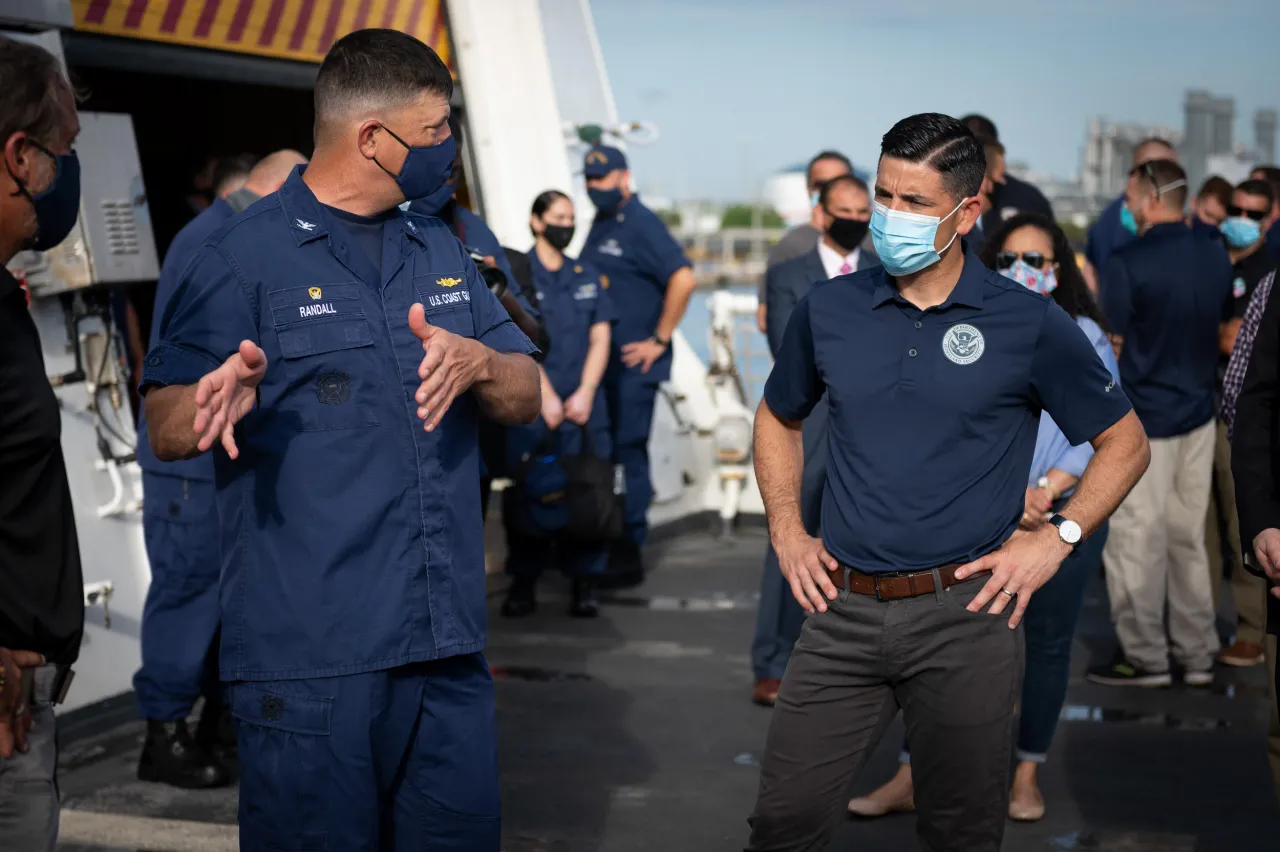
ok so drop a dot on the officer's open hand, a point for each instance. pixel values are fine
(577, 408)
(806, 565)
(642, 354)
(15, 721)
(1025, 563)
(451, 366)
(228, 394)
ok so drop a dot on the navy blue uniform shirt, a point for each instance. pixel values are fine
(571, 300)
(638, 256)
(181, 250)
(934, 414)
(351, 537)
(1166, 294)
(1273, 239)
(1010, 198)
(1106, 235)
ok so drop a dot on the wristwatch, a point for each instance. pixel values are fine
(665, 344)
(1068, 530)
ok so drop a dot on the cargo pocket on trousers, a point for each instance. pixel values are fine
(284, 766)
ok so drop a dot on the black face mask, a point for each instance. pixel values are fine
(847, 233)
(558, 235)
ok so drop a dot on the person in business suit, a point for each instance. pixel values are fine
(843, 212)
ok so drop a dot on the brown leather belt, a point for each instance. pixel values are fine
(893, 586)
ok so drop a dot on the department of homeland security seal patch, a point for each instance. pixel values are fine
(963, 344)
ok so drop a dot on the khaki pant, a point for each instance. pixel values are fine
(1156, 555)
(1248, 591)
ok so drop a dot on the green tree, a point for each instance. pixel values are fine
(740, 216)
(670, 218)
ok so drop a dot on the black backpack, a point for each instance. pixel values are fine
(595, 490)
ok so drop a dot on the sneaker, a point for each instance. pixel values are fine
(520, 599)
(1125, 673)
(1241, 654)
(1200, 678)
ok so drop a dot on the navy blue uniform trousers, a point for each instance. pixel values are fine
(780, 618)
(631, 395)
(403, 759)
(180, 618)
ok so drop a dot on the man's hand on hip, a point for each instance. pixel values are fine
(226, 395)
(15, 721)
(451, 366)
(806, 565)
(1025, 563)
(1266, 549)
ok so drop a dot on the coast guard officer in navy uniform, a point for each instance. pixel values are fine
(935, 370)
(334, 353)
(650, 281)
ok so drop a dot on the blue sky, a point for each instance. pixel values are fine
(744, 87)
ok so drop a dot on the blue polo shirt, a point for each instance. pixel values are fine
(351, 538)
(181, 250)
(1106, 235)
(638, 256)
(934, 414)
(1166, 293)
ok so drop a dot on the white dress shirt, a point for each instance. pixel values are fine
(833, 261)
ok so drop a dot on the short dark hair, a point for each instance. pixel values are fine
(233, 168)
(945, 145)
(826, 155)
(1071, 294)
(543, 202)
(854, 180)
(1217, 187)
(1260, 188)
(28, 99)
(1271, 174)
(1159, 174)
(980, 125)
(380, 66)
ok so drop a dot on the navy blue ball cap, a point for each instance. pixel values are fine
(601, 160)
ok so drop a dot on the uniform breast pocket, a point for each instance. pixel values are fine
(329, 358)
(446, 299)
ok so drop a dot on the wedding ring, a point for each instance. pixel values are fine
(1006, 592)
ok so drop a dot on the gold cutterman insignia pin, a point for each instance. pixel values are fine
(597, 157)
(604, 281)
(313, 292)
(448, 282)
(577, 269)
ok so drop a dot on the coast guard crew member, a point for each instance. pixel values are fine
(650, 281)
(1115, 226)
(353, 588)
(935, 371)
(180, 525)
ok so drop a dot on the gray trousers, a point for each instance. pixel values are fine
(28, 787)
(779, 619)
(954, 674)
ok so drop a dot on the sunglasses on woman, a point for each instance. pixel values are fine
(1234, 211)
(1034, 259)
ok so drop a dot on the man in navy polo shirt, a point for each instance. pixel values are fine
(1115, 227)
(1166, 295)
(930, 441)
(347, 471)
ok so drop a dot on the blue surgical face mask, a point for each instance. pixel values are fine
(605, 200)
(58, 206)
(1127, 221)
(905, 240)
(1241, 231)
(813, 198)
(1044, 280)
(426, 172)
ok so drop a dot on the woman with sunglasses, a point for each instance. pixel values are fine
(1033, 250)
(575, 304)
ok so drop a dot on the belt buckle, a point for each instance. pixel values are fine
(875, 579)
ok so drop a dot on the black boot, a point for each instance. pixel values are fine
(172, 756)
(584, 603)
(520, 599)
(216, 735)
(626, 568)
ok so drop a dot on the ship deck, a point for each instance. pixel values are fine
(635, 732)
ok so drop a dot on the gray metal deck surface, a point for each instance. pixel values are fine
(634, 732)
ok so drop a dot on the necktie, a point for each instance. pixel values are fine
(845, 268)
